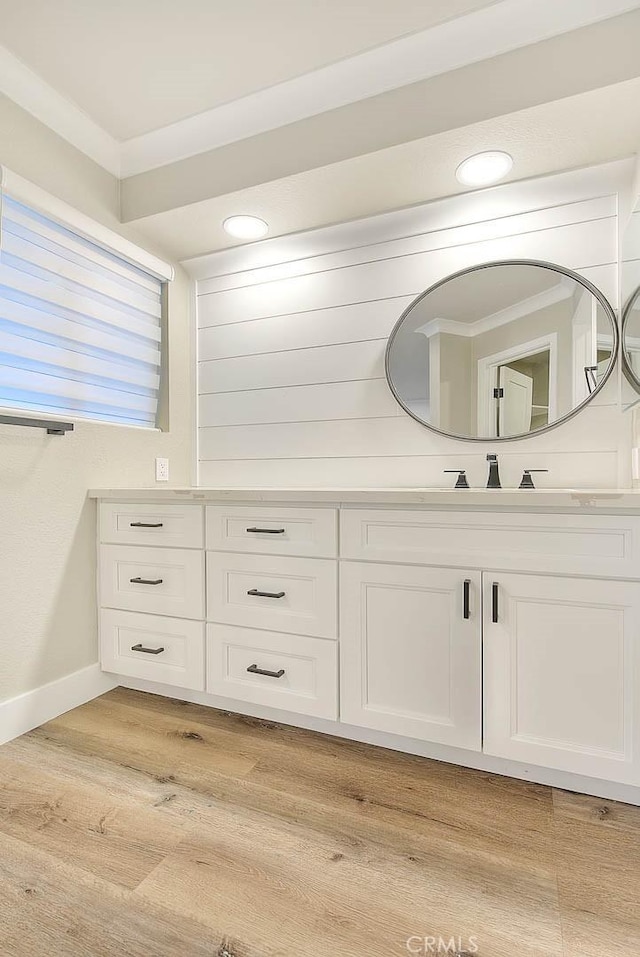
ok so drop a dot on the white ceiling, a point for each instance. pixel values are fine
(312, 112)
(479, 295)
(141, 84)
(137, 65)
(544, 139)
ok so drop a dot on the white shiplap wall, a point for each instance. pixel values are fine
(292, 334)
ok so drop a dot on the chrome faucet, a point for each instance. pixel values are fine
(494, 475)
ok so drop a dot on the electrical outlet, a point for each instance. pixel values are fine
(162, 470)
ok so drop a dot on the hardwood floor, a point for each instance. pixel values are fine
(145, 827)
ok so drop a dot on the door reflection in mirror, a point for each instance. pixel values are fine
(501, 350)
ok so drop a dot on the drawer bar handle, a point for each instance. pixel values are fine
(465, 598)
(267, 531)
(147, 651)
(254, 670)
(266, 594)
(145, 581)
(495, 587)
(145, 524)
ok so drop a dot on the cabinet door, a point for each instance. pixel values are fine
(410, 659)
(562, 673)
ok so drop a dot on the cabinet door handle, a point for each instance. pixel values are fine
(254, 670)
(145, 581)
(267, 531)
(466, 590)
(145, 524)
(266, 594)
(147, 651)
(494, 602)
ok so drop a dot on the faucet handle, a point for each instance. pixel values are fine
(527, 481)
(494, 474)
(462, 477)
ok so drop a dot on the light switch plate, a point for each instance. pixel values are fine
(162, 470)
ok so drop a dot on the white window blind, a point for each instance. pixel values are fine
(80, 327)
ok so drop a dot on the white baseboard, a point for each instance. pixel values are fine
(30, 710)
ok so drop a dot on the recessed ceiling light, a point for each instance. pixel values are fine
(481, 169)
(245, 227)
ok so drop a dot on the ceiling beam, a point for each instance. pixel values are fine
(551, 70)
(493, 30)
(480, 35)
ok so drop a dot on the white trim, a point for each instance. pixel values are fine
(39, 199)
(27, 711)
(194, 384)
(486, 33)
(489, 32)
(584, 345)
(566, 780)
(488, 369)
(435, 382)
(37, 97)
(606, 342)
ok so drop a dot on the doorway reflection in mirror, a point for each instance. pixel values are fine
(501, 350)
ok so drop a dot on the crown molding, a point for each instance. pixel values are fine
(483, 34)
(519, 310)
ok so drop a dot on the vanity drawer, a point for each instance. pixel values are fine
(163, 581)
(601, 545)
(177, 526)
(168, 650)
(301, 593)
(303, 671)
(310, 532)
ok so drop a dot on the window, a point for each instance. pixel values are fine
(80, 325)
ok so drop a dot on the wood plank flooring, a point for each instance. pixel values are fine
(140, 826)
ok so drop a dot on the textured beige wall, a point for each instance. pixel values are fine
(37, 153)
(457, 401)
(47, 526)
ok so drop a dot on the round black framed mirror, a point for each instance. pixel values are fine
(502, 350)
(631, 340)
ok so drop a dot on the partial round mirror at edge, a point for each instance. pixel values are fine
(503, 350)
(631, 340)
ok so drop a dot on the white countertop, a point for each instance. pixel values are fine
(513, 499)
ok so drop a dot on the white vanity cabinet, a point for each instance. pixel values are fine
(562, 673)
(561, 648)
(164, 581)
(291, 673)
(279, 593)
(411, 651)
(151, 592)
(272, 607)
(166, 650)
(505, 639)
(312, 532)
